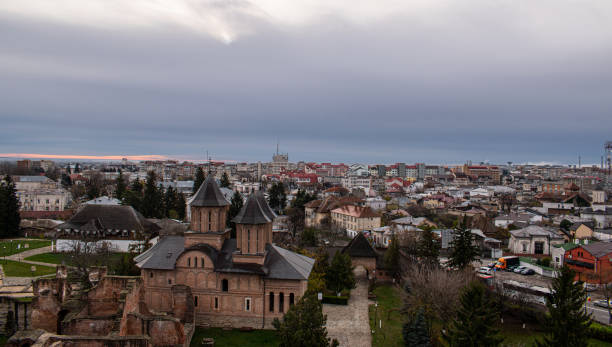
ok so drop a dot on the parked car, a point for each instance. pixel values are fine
(528, 271)
(511, 268)
(519, 269)
(590, 287)
(602, 303)
(491, 265)
(484, 270)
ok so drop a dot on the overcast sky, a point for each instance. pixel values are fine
(344, 80)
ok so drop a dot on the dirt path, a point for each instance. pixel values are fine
(21, 256)
(350, 324)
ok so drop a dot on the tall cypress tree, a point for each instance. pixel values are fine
(340, 275)
(392, 256)
(181, 206)
(170, 198)
(120, 186)
(235, 207)
(416, 331)
(476, 321)
(9, 209)
(304, 325)
(464, 252)
(567, 323)
(428, 248)
(151, 201)
(199, 179)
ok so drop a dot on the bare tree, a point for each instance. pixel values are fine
(85, 254)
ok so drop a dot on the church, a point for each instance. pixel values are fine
(239, 282)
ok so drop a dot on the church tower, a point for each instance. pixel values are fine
(208, 215)
(253, 228)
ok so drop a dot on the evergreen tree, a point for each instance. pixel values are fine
(428, 248)
(464, 252)
(476, 321)
(9, 209)
(304, 325)
(340, 275)
(120, 186)
(567, 322)
(235, 207)
(301, 199)
(416, 331)
(133, 197)
(277, 197)
(181, 205)
(199, 179)
(151, 201)
(392, 256)
(225, 182)
(170, 201)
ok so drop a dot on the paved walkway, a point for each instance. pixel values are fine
(21, 256)
(350, 324)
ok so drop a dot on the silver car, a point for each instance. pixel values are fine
(520, 269)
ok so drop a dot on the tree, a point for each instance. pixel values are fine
(9, 208)
(308, 237)
(567, 322)
(151, 206)
(225, 182)
(133, 197)
(199, 179)
(392, 256)
(304, 325)
(94, 185)
(416, 331)
(120, 186)
(301, 199)
(565, 224)
(181, 205)
(235, 207)
(428, 248)
(476, 321)
(277, 197)
(464, 252)
(170, 201)
(340, 275)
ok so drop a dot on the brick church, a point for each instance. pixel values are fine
(243, 282)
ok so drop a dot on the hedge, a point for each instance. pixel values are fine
(600, 332)
(336, 300)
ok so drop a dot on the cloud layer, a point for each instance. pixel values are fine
(436, 81)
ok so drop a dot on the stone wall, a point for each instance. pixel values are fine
(23, 318)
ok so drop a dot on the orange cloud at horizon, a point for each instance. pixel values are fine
(89, 157)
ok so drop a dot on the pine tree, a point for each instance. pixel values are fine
(567, 323)
(225, 182)
(170, 199)
(476, 321)
(235, 207)
(304, 325)
(428, 248)
(151, 201)
(133, 197)
(199, 179)
(181, 205)
(340, 275)
(464, 252)
(392, 256)
(120, 187)
(9, 209)
(416, 331)
(277, 198)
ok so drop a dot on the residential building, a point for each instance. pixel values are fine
(533, 239)
(356, 218)
(592, 262)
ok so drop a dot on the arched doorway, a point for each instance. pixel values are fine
(60, 318)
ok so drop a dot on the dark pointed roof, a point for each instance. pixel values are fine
(359, 247)
(255, 211)
(209, 194)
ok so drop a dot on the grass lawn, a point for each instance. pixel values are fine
(389, 304)
(57, 258)
(18, 269)
(227, 338)
(8, 247)
(516, 336)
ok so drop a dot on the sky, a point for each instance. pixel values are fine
(384, 81)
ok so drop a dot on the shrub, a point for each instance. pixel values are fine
(335, 300)
(545, 261)
(600, 332)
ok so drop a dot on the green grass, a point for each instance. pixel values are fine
(8, 247)
(517, 336)
(18, 269)
(57, 258)
(389, 304)
(227, 338)
(3, 340)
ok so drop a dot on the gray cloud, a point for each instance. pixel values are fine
(479, 81)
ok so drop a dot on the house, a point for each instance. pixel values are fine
(516, 219)
(245, 281)
(376, 203)
(533, 239)
(558, 251)
(317, 212)
(602, 218)
(602, 234)
(355, 218)
(581, 230)
(592, 262)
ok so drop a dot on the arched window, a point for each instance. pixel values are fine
(202, 262)
(224, 285)
(195, 301)
(195, 261)
(248, 241)
(209, 221)
(188, 261)
(281, 302)
(271, 301)
(291, 299)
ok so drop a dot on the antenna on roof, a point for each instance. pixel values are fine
(277, 143)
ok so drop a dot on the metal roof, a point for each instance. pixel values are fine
(209, 194)
(255, 211)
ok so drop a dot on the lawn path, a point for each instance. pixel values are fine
(21, 256)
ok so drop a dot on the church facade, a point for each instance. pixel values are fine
(245, 281)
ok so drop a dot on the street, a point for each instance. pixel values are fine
(599, 314)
